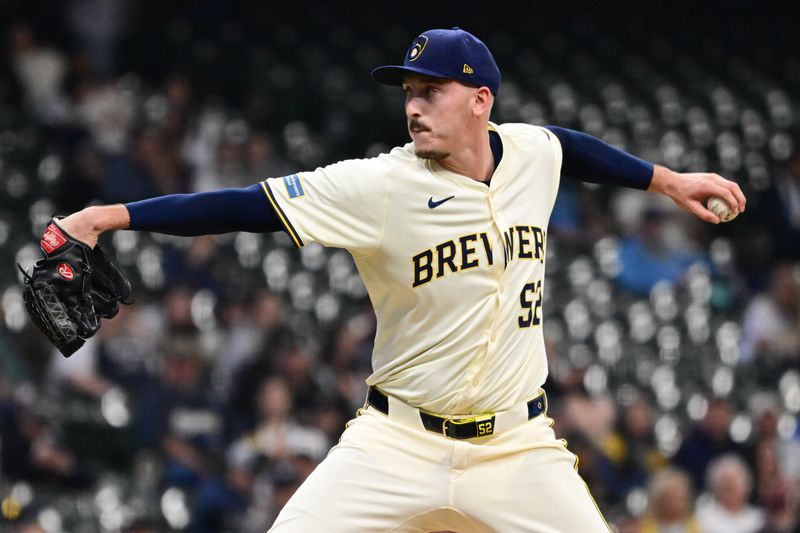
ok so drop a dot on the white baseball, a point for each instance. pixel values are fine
(720, 207)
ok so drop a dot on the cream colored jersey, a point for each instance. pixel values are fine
(454, 268)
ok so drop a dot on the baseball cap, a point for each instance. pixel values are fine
(452, 54)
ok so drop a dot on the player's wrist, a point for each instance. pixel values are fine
(663, 180)
(88, 224)
(103, 218)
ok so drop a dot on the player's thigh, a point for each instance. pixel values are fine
(531, 490)
(377, 477)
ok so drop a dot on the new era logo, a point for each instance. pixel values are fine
(468, 69)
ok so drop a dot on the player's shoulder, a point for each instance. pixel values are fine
(525, 132)
(403, 153)
(401, 157)
(530, 138)
(376, 165)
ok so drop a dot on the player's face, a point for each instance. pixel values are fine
(437, 113)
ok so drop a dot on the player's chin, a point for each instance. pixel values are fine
(427, 150)
(429, 153)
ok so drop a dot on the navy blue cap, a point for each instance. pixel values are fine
(452, 54)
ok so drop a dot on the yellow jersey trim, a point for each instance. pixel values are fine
(281, 215)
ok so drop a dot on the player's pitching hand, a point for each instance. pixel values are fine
(690, 190)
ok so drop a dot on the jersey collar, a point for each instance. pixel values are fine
(497, 176)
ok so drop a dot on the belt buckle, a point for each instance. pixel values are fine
(484, 425)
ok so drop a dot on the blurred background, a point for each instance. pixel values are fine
(674, 345)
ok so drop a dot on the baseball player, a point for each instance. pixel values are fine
(449, 234)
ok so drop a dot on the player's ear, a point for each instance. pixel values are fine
(482, 102)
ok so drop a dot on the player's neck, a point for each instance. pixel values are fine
(473, 160)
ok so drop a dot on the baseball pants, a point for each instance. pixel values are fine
(390, 474)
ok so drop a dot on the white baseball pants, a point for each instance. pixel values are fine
(389, 474)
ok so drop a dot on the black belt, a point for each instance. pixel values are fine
(469, 428)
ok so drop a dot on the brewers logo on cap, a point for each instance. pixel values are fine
(417, 48)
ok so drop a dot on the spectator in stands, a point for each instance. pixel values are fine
(775, 491)
(350, 354)
(586, 423)
(231, 171)
(177, 311)
(298, 368)
(781, 507)
(135, 175)
(221, 502)
(33, 451)
(127, 350)
(242, 400)
(81, 374)
(565, 221)
(670, 505)
(261, 159)
(771, 327)
(647, 259)
(632, 448)
(780, 207)
(178, 93)
(249, 327)
(186, 424)
(764, 410)
(30, 525)
(706, 441)
(280, 447)
(40, 71)
(626, 523)
(196, 267)
(108, 113)
(277, 435)
(98, 26)
(726, 509)
(285, 482)
(594, 467)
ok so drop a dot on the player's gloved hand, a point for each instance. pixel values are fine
(60, 295)
(109, 284)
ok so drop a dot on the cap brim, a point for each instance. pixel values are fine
(393, 74)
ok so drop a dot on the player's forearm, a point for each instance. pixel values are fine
(206, 213)
(587, 158)
(87, 225)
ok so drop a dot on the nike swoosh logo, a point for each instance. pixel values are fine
(437, 203)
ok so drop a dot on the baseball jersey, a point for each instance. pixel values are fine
(454, 268)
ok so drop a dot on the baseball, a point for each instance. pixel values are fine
(720, 207)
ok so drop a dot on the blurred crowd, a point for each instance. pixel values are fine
(674, 346)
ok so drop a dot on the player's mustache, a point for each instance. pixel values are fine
(415, 125)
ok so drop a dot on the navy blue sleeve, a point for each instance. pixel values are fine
(206, 213)
(587, 158)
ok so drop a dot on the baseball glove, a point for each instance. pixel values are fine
(71, 289)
